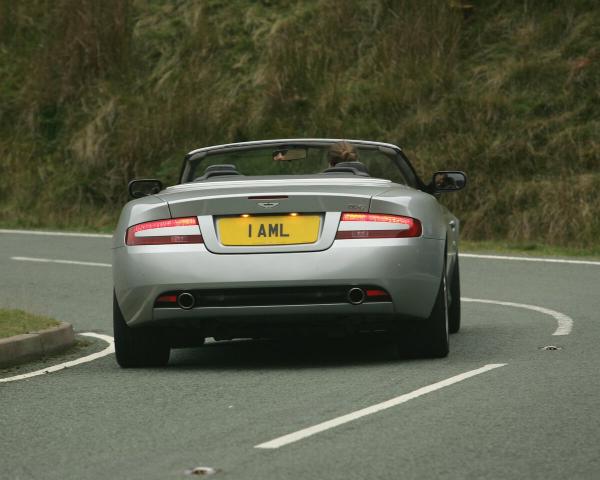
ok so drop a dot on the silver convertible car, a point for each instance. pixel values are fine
(282, 238)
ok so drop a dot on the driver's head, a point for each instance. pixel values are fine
(279, 155)
(341, 152)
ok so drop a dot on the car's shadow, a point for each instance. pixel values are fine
(480, 342)
(286, 353)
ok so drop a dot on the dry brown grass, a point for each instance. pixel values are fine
(95, 93)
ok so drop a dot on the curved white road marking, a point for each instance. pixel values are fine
(530, 259)
(56, 234)
(66, 262)
(307, 432)
(61, 366)
(565, 323)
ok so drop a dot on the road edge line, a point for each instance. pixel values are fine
(64, 262)
(55, 234)
(529, 259)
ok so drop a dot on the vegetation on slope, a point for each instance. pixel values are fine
(95, 93)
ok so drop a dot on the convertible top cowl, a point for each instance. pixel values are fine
(285, 181)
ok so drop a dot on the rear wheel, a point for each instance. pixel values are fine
(434, 342)
(137, 347)
(428, 338)
(454, 309)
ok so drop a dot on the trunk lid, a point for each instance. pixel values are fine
(268, 195)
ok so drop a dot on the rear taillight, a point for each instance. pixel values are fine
(161, 232)
(377, 225)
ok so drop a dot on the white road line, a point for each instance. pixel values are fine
(530, 259)
(67, 262)
(321, 427)
(61, 366)
(565, 323)
(56, 234)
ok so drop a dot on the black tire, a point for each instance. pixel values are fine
(428, 338)
(434, 331)
(454, 309)
(137, 347)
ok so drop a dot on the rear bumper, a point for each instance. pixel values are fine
(409, 269)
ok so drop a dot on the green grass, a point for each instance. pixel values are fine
(93, 94)
(17, 322)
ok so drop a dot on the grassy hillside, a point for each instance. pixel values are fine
(94, 93)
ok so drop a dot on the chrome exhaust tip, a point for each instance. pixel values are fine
(186, 301)
(356, 296)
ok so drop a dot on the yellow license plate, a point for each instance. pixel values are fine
(269, 229)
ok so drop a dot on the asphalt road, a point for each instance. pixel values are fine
(534, 415)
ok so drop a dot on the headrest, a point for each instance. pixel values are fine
(357, 168)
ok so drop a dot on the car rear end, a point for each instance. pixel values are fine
(254, 257)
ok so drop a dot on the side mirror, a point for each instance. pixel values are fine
(143, 187)
(448, 181)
